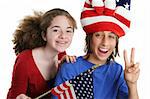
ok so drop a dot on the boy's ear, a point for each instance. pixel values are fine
(43, 36)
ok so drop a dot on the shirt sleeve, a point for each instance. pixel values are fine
(19, 79)
(123, 89)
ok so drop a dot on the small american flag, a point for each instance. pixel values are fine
(80, 87)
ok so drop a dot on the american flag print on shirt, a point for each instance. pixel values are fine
(80, 87)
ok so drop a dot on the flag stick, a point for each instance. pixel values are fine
(44, 94)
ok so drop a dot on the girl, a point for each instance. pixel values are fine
(38, 41)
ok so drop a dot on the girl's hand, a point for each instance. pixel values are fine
(132, 70)
(71, 59)
(68, 59)
(22, 96)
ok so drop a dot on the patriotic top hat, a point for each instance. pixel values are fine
(106, 15)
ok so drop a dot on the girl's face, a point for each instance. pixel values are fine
(59, 34)
(102, 45)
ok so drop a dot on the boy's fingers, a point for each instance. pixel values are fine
(132, 55)
(125, 58)
(137, 69)
(134, 68)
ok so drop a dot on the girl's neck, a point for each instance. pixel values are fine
(46, 61)
(48, 54)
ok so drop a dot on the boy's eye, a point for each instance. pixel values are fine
(112, 36)
(97, 34)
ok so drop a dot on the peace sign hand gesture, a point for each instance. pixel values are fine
(132, 70)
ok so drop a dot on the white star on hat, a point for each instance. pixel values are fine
(126, 6)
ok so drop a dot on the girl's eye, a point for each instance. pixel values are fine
(55, 30)
(69, 31)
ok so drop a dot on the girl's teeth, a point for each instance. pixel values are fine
(61, 42)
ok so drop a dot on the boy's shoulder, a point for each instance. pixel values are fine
(74, 65)
(116, 65)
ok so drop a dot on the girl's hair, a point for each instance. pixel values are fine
(88, 45)
(28, 34)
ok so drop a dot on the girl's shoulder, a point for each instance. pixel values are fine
(26, 54)
(23, 61)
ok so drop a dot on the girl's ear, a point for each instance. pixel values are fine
(43, 36)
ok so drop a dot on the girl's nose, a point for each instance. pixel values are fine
(62, 35)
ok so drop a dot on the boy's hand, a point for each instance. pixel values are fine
(132, 70)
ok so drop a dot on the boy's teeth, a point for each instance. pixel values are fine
(103, 49)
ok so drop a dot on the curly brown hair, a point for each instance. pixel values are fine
(28, 34)
(87, 48)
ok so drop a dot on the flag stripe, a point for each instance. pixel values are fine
(77, 87)
(91, 20)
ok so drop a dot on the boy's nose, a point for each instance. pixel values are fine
(105, 41)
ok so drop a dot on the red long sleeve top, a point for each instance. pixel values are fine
(26, 77)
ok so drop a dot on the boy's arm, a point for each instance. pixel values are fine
(131, 73)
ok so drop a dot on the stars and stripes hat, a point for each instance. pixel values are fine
(106, 15)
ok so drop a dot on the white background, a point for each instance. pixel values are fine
(12, 11)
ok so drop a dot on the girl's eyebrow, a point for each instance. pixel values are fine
(55, 27)
(59, 27)
(71, 28)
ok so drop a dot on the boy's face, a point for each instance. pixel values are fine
(102, 45)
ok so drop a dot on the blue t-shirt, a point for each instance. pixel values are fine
(108, 79)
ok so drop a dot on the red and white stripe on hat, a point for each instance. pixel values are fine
(106, 15)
